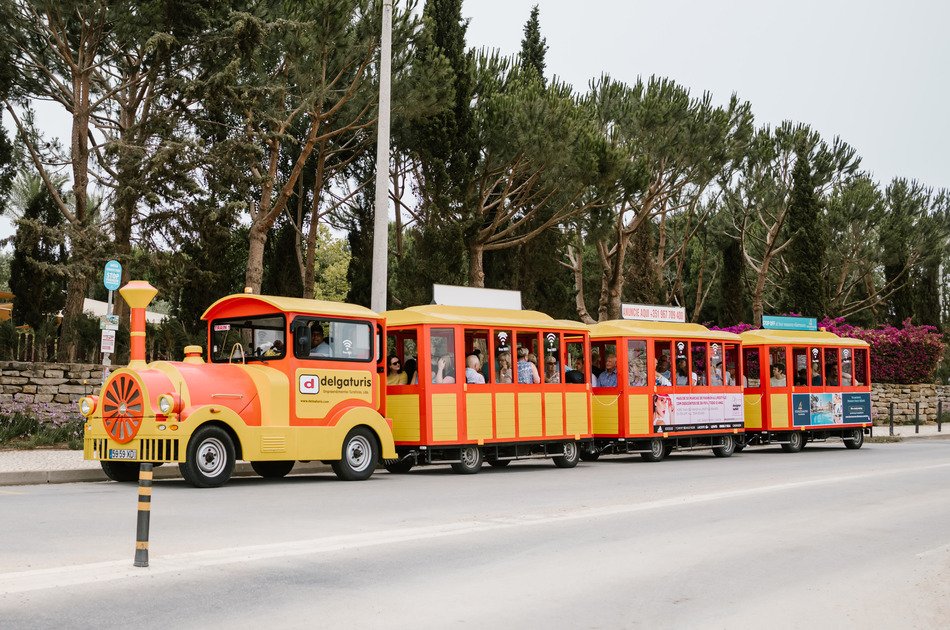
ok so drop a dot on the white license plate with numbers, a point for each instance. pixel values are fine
(122, 453)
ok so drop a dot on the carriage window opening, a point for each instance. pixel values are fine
(684, 376)
(607, 361)
(663, 355)
(716, 370)
(402, 365)
(778, 372)
(527, 371)
(752, 369)
(861, 366)
(553, 363)
(731, 364)
(476, 357)
(504, 359)
(799, 366)
(248, 339)
(636, 362)
(847, 367)
(577, 366)
(442, 358)
(700, 353)
(831, 367)
(815, 364)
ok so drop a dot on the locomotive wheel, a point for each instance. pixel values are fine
(125, 471)
(209, 461)
(856, 441)
(471, 463)
(359, 457)
(398, 466)
(728, 447)
(570, 457)
(796, 442)
(272, 470)
(657, 451)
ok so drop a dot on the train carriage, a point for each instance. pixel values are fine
(283, 379)
(805, 385)
(664, 386)
(500, 412)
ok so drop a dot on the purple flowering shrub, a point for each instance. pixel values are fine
(29, 425)
(909, 354)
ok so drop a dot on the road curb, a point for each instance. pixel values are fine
(168, 471)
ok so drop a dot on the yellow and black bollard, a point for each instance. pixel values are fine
(145, 506)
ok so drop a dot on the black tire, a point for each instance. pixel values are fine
(856, 441)
(657, 451)
(121, 471)
(570, 457)
(358, 458)
(667, 448)
(740, 443)
(796, 442)
(589, 455)
(498, 463)
(728, 447)
(209, 460)
(399, 466)
(471, 463)
(273, 470)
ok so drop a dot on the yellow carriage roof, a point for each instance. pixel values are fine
(289, 304)
(673, 330)
(476, 316)
(798, 338)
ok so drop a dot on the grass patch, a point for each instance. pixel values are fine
(25, 431)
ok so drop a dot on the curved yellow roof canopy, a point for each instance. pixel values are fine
(798, 338)
(673, 330)
(289, 305)
(476, 316)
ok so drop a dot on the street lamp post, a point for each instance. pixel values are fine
(381, 224)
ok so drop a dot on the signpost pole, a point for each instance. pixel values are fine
(111, 278)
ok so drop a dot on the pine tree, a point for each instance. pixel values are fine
(804, 283)
(534, 48)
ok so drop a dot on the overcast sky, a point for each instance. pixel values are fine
(872, 72)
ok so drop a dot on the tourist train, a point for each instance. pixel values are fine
(283, 380)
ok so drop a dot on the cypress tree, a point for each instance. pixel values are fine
(37, 277)
(732, 306)
(903, 206)
(534, 48)
(804, 284)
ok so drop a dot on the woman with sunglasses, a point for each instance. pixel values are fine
(395, 375)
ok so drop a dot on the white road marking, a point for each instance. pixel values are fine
(73, 575)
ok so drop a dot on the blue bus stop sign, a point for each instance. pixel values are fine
(112, 275)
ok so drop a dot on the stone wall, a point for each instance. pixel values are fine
(51, 389)
(904, 397)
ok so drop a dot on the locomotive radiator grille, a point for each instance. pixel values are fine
(158, 450)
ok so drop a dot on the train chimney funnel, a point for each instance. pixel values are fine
(137, 294)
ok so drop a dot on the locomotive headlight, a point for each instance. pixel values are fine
(87, 404)
(165, 404)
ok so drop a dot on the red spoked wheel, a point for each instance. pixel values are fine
(122, 408)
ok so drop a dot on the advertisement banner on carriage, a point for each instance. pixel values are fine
(653, 313)
(697, 412)
(835, 408)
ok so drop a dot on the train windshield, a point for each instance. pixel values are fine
(248, 339)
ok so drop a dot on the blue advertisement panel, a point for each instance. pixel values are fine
(784, 322)
(837, 408)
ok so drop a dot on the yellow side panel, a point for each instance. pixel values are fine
(753, 411)
(639, 420)
(778, 407)
(529, 415)
(505, 415)
(605, 411)
(444, 418)
(578, 414)
(553, 414)
(478, 416)
(404, 410)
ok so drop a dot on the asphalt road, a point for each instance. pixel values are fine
(824, 538)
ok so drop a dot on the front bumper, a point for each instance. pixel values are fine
(145, 448)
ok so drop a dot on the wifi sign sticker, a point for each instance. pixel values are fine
(347, 347)
(552, 340)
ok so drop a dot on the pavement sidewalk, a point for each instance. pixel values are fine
(62, 466)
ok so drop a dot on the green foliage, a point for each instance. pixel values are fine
(5, 271)
(37, 273)
(332, 263)
(804, 282)
(534, 48)
(23, 428)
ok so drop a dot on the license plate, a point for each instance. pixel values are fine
(122, 453)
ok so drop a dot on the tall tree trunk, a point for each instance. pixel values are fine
(310, 269)
(257, 240)
(76, 288)
(476, 265)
